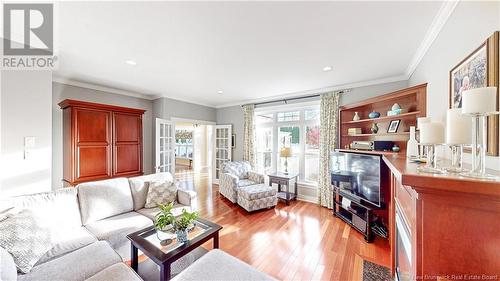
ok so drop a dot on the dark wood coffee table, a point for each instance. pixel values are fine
(165, 252)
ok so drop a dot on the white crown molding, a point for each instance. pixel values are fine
(320, 90)
(435, 28)
(96, 87)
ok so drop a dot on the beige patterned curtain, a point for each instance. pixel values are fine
(329, 117)
(249, 134)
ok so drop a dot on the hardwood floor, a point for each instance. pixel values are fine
(302, 241)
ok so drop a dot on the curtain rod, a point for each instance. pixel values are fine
(292, 99)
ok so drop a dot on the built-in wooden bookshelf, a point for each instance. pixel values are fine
(412, 100)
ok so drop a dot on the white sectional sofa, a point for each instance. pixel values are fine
(88, 226)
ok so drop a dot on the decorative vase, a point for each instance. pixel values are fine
(374, 128)
(395, 107)
(396, 148)
(374, 114)
(356, 116)
(182, 235)
(412, 145)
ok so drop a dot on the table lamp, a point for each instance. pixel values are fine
(286, 152)
(479, 103)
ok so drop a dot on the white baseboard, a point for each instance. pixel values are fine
(305, 198)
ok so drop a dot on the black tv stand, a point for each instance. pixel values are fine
(359, 214)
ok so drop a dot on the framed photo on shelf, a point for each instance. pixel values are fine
(393, 126)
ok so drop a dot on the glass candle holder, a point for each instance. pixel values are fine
(431, 165)
(456, 164)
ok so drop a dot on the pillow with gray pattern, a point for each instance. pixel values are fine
(160, 193)
(24, 238)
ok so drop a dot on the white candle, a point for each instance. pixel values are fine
(458, 127)
(479, 101)
(432, 133)
(421, 120)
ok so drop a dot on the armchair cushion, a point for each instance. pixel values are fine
(256, 177)
(243, 183)
(237, 168)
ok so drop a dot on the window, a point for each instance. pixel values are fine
(297, 129)
(184, 144)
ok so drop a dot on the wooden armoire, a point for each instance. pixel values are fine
(100, 141)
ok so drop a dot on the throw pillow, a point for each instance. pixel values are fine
(160, 193)
(23, 237)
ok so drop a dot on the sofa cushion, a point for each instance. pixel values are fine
(68, 240)
(59, 207)
(103, 199)
(254, 192)
(139, 187)
(151, 212)
(164, 192)
(209, 267)
(75, 266)
(115, 229)
(8, 271)
(116, 272)
(24, 238)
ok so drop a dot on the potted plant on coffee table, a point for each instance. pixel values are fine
(182, 223)
(164, 221)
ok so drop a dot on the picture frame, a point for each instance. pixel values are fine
(393, 126)
(478, 69)
(233, 141)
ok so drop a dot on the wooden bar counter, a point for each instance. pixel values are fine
(453, 224)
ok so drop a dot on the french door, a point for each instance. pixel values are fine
(222, 149)
(165, 144)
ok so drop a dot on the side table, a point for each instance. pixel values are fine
(284, 179)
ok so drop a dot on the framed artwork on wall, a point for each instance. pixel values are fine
(478, 69)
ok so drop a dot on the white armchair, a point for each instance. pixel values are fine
(236, 175)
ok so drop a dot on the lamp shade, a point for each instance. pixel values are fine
(286, 152)
(432, 133)
(479, 100)
(421, 120)
(458, 127)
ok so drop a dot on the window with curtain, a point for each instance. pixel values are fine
(296, 127)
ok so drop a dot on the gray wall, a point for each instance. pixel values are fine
(467, 28)
(234, 114)
(25, 111)
(166, 108)
(63, 91)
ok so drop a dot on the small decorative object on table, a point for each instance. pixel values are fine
(183, 223)
(395, 106)
(354, 131)
(374, 128)
(163, 222)
(431, 135)
(412, 146)
(356, 116)
(374, 114)
(479, 104)
(286, 152)
(458, 128)
(393, 126)
(396, 148)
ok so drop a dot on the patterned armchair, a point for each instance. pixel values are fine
(236, 175)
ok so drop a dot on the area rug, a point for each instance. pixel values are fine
(375, 272)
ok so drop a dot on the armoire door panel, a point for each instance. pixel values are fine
(92, 125)
(93, 162)
(128, 159)
(127, 127)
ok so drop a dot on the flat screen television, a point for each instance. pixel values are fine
(357, 176)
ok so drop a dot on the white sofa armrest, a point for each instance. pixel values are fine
(188, 198)
(256, 177)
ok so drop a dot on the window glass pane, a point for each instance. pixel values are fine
(312, 167)
(288, 116)
(264, 147)
(311, 114)
(293, 164)
(312, 138)
(263, 118)
(289, 137)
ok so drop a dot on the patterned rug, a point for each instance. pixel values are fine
(375, 272)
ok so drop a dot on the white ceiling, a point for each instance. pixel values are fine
(250, 50)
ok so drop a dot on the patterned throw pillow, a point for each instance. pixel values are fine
(161, 193)
(23, 237)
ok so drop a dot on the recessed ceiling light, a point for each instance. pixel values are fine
(220, 92)
(327, 68)
(130, 62)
